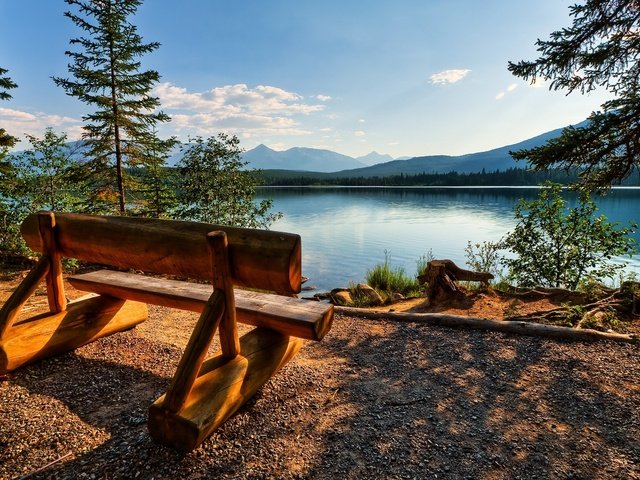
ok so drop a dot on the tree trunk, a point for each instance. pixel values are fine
(441, 277)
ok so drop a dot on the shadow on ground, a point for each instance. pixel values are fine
(374, 400)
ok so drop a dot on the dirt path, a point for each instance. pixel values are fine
(374, 400)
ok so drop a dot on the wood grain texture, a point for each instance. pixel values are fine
(11, 308)
(55, 283)
(259, 259)
(83, 322)
(221, 388)
(194, 353)
(218, 247)
(290, 316)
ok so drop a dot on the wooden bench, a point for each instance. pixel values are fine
(203, 393)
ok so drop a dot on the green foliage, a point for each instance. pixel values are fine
(5, 84)
(604, 321)
(555, 246)
(599, 50)
(573, 315)
(106, 74)
(156, 186)
(484, 257)
(592, 287)
(214, 188)
(423, 262)
(40, 178)
(385, 278)
(6, 141)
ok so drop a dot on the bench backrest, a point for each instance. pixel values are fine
(260, 259)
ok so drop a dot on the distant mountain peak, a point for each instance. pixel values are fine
(263, 147)
(373, 158)
(299, 158)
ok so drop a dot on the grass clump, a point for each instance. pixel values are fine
(387, 279)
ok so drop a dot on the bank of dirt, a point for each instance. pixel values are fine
(375, 399)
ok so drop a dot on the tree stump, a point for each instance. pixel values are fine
(441, 276)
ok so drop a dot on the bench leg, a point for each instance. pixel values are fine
(82, 322)
(223, 385)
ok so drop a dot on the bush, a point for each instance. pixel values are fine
(484, 257)
(556, 246)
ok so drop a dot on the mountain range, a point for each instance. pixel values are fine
(327, 163)
(331, 164)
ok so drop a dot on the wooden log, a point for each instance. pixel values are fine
(55, 283)
(259, 259)
(441, 275)
(83, 322)
(21, 294)
(290, 316)
(194, 353)
(218, 247)
(221, 388)
(520, 328)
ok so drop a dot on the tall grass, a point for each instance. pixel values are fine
(385, 278)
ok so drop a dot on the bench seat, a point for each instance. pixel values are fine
(291, 316)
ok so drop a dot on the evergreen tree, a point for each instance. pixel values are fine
(214, 188)
(599, 49)
(6, 140)
(105, 74)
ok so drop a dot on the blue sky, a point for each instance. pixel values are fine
(403, 77)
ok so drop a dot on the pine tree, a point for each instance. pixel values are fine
(105, 74)
(599, 50)
(6, 140)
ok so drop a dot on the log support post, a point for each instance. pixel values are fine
(219, 250)
(194, 353)
(218, 314)
(55, 285)
(13, 305)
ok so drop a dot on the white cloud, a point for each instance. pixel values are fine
(19, 123)
(323, 98)
(448, 77)
(235, 108)
(509, 89)
(362, 120)
(359, 133)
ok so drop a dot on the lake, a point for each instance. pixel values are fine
(345, 230)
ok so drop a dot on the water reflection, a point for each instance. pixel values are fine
(345, 231)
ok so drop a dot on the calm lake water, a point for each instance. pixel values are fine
(345, 231)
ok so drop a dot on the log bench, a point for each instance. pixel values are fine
(203, 392)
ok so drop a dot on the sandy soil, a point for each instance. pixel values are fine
(375, 399)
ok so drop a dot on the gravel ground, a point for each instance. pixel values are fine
(373, 400)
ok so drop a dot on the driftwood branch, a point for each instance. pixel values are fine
(518, 327)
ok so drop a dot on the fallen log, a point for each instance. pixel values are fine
(517, 327)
